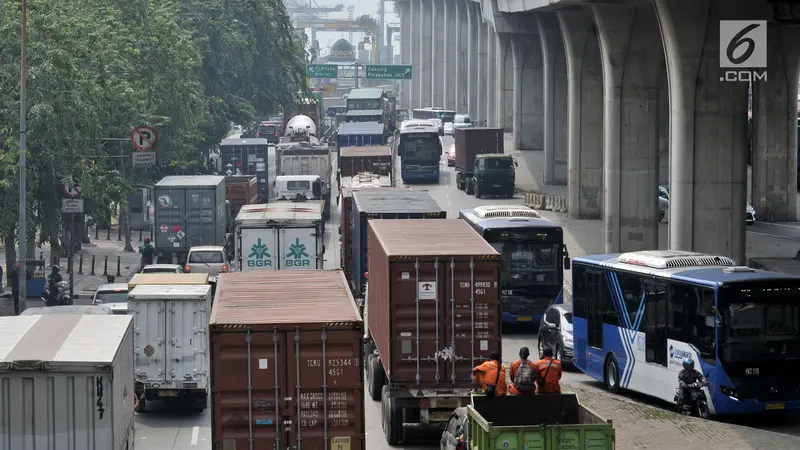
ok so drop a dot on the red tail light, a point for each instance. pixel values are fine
(224, 267)
(258, 134)
(461, 445)
(188, 269)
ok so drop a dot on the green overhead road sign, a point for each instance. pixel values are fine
(323, 70)
(388, 72)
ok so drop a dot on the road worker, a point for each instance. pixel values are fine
(548, 373)
(491, 376)
(523, 374)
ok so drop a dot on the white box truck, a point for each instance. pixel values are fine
(66, 379)
(284, 235)
(171, 343)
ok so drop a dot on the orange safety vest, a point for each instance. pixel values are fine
(548, 376)
(485, 375)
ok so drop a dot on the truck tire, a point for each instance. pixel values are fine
(468, 187)
(459, 181)
(392, 418)
(141, 405)
(477, 191)
(377, 380)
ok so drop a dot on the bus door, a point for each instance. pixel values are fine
(595, 356)
(656, 348)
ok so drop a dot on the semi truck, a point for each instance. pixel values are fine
(286, 363)
(370, 159)
(303, 158)
(309, 107)
(282, 235)
(240, 190)
(246, 157)
(481, 166)
(190, 211)
(432, 309)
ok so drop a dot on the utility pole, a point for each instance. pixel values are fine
(23, 112)
(355, 66)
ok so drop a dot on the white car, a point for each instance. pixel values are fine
(462, 121)
(162, 268)
(207, 259)
(448, 129)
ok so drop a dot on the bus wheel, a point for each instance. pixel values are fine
(611, 375)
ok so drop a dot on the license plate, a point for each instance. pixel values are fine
(441, 416)
(167, 394)
(524, 319)
(775, 406)
(496, 185)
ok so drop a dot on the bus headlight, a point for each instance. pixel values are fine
(729, 391)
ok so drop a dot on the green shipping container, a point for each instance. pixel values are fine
(536, 422)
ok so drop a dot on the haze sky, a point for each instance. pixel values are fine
(362, 7)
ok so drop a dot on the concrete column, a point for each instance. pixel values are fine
(633, 59)
(505, 83)
(404, 11)
(437, 53)
(425, 51)
(585, 99)
(708, 130)
(472, 59)
(555, 99)
(450, 51)
(491, 75)
(460, 78)
(774, 154)
(483, 69)
(416, 59)
(528, 92)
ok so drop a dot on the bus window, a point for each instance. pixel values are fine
(693, 318)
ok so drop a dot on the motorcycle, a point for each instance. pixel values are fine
(62, 295)
(697, 403)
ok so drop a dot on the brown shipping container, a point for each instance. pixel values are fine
(457, 303)
(476, 141)
(296, 337)
(346, 224)
(375, 159)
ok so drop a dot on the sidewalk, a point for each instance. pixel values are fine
(85, 283)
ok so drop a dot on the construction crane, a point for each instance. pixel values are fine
(307, 10)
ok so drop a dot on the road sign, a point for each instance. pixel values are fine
(144, 138)
(144, 159)
(72, 205)
(70, 189)
(388, 72)
(331, 112)
(426, 290)
(164, 228)
(323, 70)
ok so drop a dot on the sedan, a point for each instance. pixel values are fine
(451, 156)
(750, 218)
(555, 331)
(448, 129)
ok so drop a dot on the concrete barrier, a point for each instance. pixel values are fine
(540, 201)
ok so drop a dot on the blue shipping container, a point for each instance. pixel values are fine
(385, 203)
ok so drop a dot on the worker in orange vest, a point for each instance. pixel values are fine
(548, 375)
(523, 374)
(491, 376)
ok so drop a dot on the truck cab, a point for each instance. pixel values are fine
(493, 174)
(289, 187)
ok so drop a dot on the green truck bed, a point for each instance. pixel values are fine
(536, 422)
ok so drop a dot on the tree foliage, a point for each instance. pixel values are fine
(98, 68)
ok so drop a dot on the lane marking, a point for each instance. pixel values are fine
(773, 235)
(195, 435)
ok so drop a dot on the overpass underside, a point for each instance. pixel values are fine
(622, 98)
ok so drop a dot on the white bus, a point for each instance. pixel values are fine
(445, 115)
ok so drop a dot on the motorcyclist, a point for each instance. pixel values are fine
(52, 283)
(148, 252)
(688, 377)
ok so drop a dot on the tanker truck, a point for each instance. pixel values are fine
(301, 129)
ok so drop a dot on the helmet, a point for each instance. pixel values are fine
(524, 352)
(688, 364)
(56, 268)
(146, 240)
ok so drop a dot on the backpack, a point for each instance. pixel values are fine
(524, 382)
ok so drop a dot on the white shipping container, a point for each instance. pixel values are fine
(66, 382)
(171, 341)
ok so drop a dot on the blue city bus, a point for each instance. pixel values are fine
(638, 315)
(420, 150)
(534, 257)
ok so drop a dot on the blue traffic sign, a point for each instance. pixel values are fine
(331, 112)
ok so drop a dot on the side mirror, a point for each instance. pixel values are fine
(552, 327)
(567, 263)
(516, 164)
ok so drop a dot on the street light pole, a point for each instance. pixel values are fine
(23, 112)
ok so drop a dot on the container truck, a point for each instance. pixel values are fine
(514, 422)
(432, 313)
(67, 382)
(286, 364)
(359, 134)
(310, 107)
(371, 159)
(190, 211)
(301, 129)
(162, 279)
(306, 159)
(171, 344)
(372, 204)
(247, 157)
(280, 236)
(240, 190)
(481, 166)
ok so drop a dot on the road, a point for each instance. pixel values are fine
(641, 426)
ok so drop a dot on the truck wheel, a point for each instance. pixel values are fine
(611, 375)
(477, 191)
(392, 419)
(459, 182)
(377, 380)
(141, 405)
(468, 187)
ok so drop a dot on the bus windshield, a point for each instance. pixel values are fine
(529, 256)
(420, 147)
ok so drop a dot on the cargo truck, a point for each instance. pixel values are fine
(370, 159)
(240, 190)
(67, 382)
(359, 134)
(541, 422)
(286, 364)
(280, 236)
(171, 344)
(481, 166)
(190, 211)
(432, 313)
(306, 159)
(369, 204)
(247, 157)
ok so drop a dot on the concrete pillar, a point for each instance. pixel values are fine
(708, 130)
(774, 155)
(633, 59)
(425, 51)
(404, 11)
(450, 51)
(505, 83)
(416, 56)
(472, 59)
(437, 53)
(528, 92)
(462, 25)
(555, 99)
(491, 75)
(483, 69)
(585, 99)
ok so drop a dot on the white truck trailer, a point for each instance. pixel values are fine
(66, 382)
(171, 343)
(283, 235)
(302, 158)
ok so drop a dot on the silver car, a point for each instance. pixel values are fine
(462, 121)
(207, 259)
(110, 293)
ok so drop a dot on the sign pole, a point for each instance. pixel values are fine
(23, 189)
(70, 254)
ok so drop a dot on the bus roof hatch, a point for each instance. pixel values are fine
(489, 211)
(668, 259)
